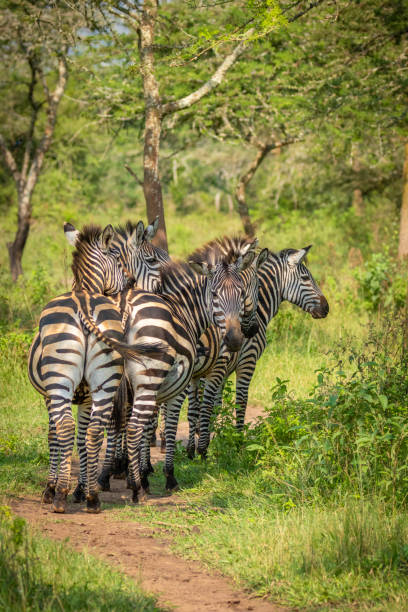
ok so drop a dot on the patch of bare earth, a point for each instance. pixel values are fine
(179, 584)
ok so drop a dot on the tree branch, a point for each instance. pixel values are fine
(10, 161)
(133, 173)
(213, 82)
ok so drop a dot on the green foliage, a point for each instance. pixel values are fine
(37, 574)
(381, 283)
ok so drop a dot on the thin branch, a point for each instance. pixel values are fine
(137, 179)
(213, 82)
(10, 161)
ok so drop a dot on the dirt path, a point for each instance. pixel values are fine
(185, 586)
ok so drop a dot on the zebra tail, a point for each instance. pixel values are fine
(119, 405)
(129, 351)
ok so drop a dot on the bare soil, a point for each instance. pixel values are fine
(133, 548)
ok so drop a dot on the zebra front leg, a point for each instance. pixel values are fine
(113, 438)
(192, 415)
(84, 415)
(212, 394)
(243, 380)
(172, 417)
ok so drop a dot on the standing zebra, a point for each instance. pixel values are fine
(64, 353)
(186, 307)
(142, 262)
(206, 358)
(284, 276)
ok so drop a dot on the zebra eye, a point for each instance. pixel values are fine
(304, 277)
(150, 259)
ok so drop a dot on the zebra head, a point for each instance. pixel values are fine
(223, 262)
(299, 286)
(249, 323)
(140, 259)
(94, 265)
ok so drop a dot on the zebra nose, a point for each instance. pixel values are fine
(324, 306)
(233, 338)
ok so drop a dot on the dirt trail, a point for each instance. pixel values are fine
(185, 586)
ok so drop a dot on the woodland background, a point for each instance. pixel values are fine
(288, 120)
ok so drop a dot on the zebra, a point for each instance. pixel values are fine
(177, 317)
(142, 261)
(206, 359)
(284, 276)
(64, 353)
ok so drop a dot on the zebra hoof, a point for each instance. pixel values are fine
(93, 505)
(59, 504)
(203, 453)
(145, 484)
(78, 495)
(48, 494)
(191, 452)
(171, 483)
(103, 482)
(139, 497)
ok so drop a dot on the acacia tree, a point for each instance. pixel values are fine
(186, 52)
(34, 41)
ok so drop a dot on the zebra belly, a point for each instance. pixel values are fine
(176, 380)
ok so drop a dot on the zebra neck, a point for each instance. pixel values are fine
(270, 289)
(190, 305)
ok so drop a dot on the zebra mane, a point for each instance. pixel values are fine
(89, 235)
(125, 230)
(225, 250)
(176, 273)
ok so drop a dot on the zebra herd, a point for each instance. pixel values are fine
(139, 330)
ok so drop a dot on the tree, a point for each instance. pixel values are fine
(158, 31)
(34, 42)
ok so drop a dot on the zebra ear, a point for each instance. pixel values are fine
(151, 229)
(107, 237)
(247, 255)
(260, 260)
(201, 267)
(136, 237)
(71, 233)
(294, 259)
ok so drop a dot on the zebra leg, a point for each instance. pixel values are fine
(49, 491)
(192, 415)
(146, 467)
(144, 408)
(101, 412)
(84, 415)
(172, 417)
(163, 428)
(60, 412)
(113, 439)
(154, 426)
(212, 393)
(244, 375)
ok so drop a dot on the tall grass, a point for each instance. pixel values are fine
(39, 575)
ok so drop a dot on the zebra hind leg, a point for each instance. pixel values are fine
(49, 491)
(84, 415)
(172, 417)
(192, 416)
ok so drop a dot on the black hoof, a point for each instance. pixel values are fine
(203, 453)
(60, 501)
(103, 481)
(191, 452)
(48, 494)
(93, 505)
(171, 483)
(78, 495)
(140, 496)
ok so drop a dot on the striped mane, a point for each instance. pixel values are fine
(175, 271)
(89, 236)
(225, 250)
(125, 231)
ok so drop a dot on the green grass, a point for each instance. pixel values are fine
(37, 574)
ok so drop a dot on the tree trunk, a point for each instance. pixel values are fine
(403, 234)
(357, 199)
(16, 248)
(151, 178)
